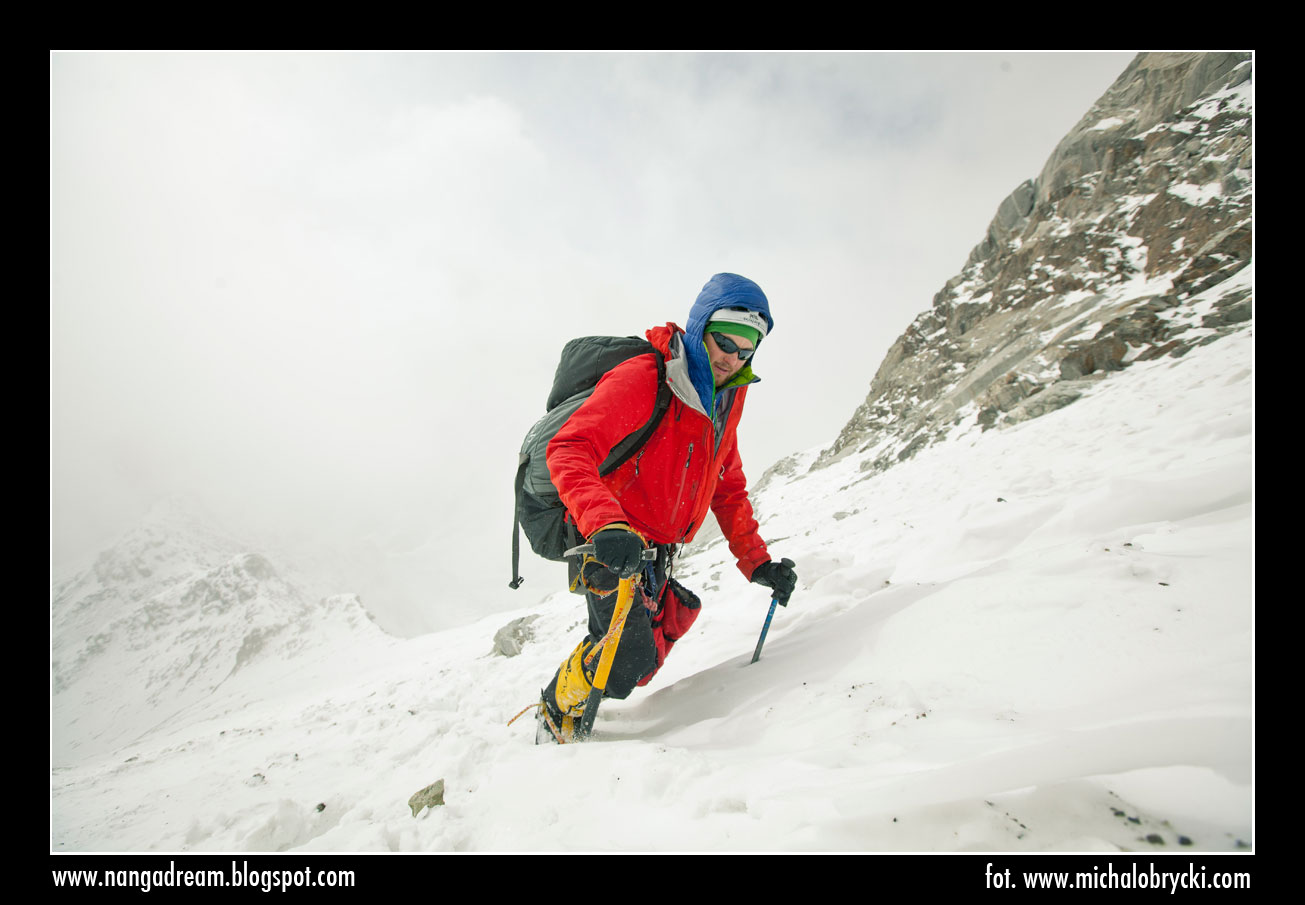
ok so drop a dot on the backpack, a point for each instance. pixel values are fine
(539, 512)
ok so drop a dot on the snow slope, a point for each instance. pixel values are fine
(1038, 638)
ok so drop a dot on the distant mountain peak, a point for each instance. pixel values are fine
(173, 611)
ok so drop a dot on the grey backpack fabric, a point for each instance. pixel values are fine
(539, 511)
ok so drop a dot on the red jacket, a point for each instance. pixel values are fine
(664, 490)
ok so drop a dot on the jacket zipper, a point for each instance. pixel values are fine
(684, 477)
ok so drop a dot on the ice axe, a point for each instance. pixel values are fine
(774, 601)
(624, 600)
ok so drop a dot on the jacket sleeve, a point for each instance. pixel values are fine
(734, 512)
(621, 403)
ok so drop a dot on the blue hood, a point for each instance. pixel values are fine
(724, 290)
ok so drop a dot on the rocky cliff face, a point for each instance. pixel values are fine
(1133, 242)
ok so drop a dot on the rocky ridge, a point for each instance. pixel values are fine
(1134, 242)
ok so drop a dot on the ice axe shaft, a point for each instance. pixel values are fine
(624, 599)
(756, 654)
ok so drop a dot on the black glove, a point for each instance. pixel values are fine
(620, 549)
(779, 577)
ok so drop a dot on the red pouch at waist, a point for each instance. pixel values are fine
(679, 607)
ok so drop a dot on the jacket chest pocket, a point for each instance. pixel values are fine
(629, 476)
(698, 466)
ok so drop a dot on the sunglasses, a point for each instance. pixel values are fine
(729, 347)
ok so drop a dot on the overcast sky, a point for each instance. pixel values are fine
(324, 293)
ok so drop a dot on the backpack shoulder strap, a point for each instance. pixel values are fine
(516, 522)
(622, 451)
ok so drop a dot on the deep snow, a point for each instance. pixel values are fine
(1038, 638)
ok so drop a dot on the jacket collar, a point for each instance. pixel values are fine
(670, 341)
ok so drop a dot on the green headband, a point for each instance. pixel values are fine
(733, 329)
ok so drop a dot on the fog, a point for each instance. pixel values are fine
(322, 294)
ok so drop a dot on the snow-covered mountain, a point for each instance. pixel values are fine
(1017, 627)
(169, 619)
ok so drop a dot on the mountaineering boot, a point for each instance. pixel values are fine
(562, 702)
(551, 726)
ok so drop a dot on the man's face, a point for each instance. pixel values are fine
(724, 365)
